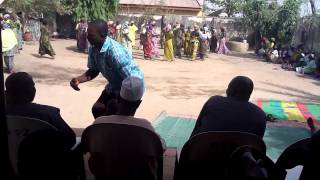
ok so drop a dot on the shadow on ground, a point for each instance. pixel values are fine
(42, 57)
(74, 49)
(298, 94)
(316, 83)
(249, 56)
(56, 75)
(182, 88)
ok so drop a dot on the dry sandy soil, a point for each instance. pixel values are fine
(180, 87)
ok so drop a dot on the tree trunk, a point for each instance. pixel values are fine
(313, 7)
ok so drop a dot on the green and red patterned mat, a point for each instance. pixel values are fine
(284, 110)
(176, 130)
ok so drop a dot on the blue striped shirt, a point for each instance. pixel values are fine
(114, 62)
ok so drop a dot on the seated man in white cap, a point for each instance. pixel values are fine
(131, 92)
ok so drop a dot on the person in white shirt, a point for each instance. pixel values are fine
(131, 92)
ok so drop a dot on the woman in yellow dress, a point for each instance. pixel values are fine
(194, 43)
(168, 46)
(187, 42)
(132, 34)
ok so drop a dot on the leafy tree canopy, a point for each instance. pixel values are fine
(87, 9)
(42, 6)
(93, 9)
(231, 6)
(271, 20)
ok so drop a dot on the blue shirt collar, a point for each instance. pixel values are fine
(105, 45)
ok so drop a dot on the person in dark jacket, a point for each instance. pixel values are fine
(232, 113)
(20, 93)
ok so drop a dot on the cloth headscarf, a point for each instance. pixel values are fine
(168, 27)
(6, 16)
(196, 27)
(206, 29)
(125, 29)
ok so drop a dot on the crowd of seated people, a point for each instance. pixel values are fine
(231, 113)
(291, 58)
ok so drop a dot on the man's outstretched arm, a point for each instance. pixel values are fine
(87, 76)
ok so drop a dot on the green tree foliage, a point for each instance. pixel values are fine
(288, 16)
(40, 6)
(93, 9)
(271, 19)
(231, 6)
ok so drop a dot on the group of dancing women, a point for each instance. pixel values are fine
(177, 40)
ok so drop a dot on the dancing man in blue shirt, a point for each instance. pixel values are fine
(112, 60)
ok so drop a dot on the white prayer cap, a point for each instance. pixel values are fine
(132, 89)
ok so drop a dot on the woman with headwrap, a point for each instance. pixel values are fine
(203, 46)
(82, 43)
(155, 49)
(214, 40)
(118, 33)
(148, 43)
(187, 42)
(178, 39)
(168, 46)
(194, 43)
(132, 34)
(126, 41)
(44, 43)
(223, 49)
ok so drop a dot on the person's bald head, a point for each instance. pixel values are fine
(20, 88)
(240, 88)
(97, 32)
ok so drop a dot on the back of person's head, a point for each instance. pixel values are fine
(131, 92)
(20, 88)
(240, 88)
(46, 155)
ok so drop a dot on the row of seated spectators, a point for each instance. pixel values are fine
(226, 142)
(291, 58)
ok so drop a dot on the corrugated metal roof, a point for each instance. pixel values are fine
(168, 3)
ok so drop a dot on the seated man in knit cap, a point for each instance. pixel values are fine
(232, 113)
(131, 92)
(20, 93)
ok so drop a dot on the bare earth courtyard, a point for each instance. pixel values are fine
(180, 87)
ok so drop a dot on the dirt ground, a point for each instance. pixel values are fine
(179, 87)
